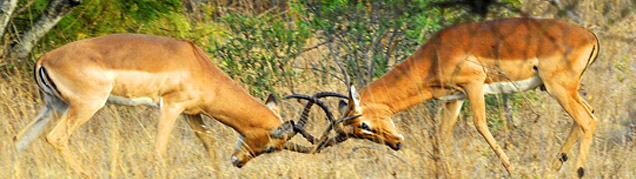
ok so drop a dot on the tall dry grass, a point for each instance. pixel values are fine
(118, 141)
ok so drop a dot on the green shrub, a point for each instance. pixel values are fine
(259, 50)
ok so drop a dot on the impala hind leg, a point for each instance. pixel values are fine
(562, 156)
(587, 105)
(41, 123)
(475, 95)
(584, 122)
(77, 114)
(33, 130)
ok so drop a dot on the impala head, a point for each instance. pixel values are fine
(371, 125)
(262, 141)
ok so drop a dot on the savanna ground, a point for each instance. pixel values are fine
(118, 142)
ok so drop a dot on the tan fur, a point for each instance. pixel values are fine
(465, 57)
(84, 73)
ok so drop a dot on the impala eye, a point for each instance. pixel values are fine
(365, 126)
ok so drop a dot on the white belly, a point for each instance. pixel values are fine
(502, 87)
(134, 101)
(512, 86)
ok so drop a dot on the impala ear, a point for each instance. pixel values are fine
(354, 100)
(342, 107)
(272, 103)
(285, 130)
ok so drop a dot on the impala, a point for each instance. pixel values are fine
(173, 75)
(472, 59)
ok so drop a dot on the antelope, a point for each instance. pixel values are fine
(470, 60)
(79, 78)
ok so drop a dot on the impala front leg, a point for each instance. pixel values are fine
(449, 118)
(450, 114)
(169, 114)
(203, 132)
(477, 103)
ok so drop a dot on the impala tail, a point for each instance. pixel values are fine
(44, 82)
(595, 49)
(42, 122)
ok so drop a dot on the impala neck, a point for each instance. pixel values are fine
(234, 107)
(401, 88)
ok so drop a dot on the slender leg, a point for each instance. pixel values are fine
(41, 123)
(584, 121)
(34, 130)
(449, 118)
(562, 156)
(76, 116)
(203, 132)
(169, 114)
(450, 113)
(587, 105)
(477, 103)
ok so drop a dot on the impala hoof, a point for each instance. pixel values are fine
(580, 172)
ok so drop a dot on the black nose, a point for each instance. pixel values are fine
(397, 146)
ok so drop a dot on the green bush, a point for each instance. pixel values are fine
(259, 50)
(102, 17)
(369, 37)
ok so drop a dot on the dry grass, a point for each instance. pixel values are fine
(118, 141)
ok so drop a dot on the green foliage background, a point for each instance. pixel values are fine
(304, 46)
(259, 46)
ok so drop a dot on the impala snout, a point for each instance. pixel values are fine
(243, 155)
(394, 141)
(248, 148)
(397, 145)
(240, 158)
(237, 162)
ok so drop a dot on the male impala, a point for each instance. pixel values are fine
(470, 60)
(173, 75)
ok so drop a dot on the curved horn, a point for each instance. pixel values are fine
(324, 141)
(315, 99)
(344, 119)
(330, 94)
(299, 96)
(297, 147)
(330, 142)
(299, 127)
(305, 114)
(317, 95)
